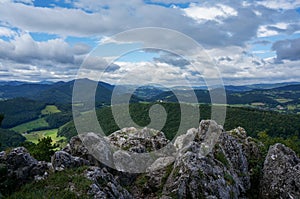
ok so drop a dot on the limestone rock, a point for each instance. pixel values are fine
(220, 172)
(61, 160)
(138, 140)
(19, 167)
(75, 147)
(105, 185)
(98, 147)
(281, 173)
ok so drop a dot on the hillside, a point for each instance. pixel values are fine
(9, 139)
(275, 124)
(19, 110)
(282, 99)
(268, 95)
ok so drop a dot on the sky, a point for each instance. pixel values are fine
(246, 42)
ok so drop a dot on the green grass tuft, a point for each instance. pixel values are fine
(57, 185)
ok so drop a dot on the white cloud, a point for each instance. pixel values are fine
(205, 13)
(6, 32)
(280, 4)
(272, 29)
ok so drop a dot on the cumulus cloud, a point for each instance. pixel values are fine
(231, 19)
(206, 13)
(172, 59)
(24, 49)
(81, 48)
(6, 32)
(226, 29)
(280, 4)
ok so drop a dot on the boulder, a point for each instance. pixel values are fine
(61, 160)
(19, 167)
(281, 173)
(105, 185)
(213, 164)
(138, 140)
(75, 147)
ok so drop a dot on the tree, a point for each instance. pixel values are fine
(43, 150)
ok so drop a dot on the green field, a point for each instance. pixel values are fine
(28, 126)
(36, 135)
(50, 109)
(283, 100)
(257, 104)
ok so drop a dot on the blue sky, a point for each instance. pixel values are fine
(249, 41)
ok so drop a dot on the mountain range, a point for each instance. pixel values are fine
(279, 96)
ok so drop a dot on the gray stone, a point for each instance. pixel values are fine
(75, 147)
(213, 173)
(105, 185)
(281, 173)
(61, 160)
(22, 167)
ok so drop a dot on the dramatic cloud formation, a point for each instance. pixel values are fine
(248, 40)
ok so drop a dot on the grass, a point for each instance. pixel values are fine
(35, 136)
(257, 104)
(291, 107)
(29, 126)
(222, 158)
(50, 109)
(283, 100)
(57, 185)
(229, 179)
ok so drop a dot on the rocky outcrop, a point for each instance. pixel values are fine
(23, 167)
(76, 148)
(133, 146)
(206, 162)
(62, 160)
(105, 185)
(222, 172)
(138, 140)
(281, 173)
(19, 167)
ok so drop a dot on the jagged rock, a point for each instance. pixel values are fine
(281, 173)
(218, 170)
(61, 160)
(99, 147)
(138, 140)
(104, 185)
(238, 132)
(237, 158)
(182, 142)
(75, 147)
(134, 146)
(161, 163)
(19, 167)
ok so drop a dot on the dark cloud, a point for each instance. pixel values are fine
(172, 59)
(226, 59)
(262, 42)
(256, 63)
(287, 49)
(112, 68)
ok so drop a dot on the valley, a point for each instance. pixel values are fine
(38, 110)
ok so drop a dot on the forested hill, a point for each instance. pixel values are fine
(253, 120)
(60, 92)
(19, 110)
